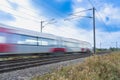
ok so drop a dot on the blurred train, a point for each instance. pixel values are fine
(15, 41)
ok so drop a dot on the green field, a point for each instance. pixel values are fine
(105, 67)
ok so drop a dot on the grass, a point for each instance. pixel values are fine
(17, 57)
(105, 67)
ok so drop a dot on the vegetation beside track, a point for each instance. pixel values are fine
(105, 67)
(16, 57)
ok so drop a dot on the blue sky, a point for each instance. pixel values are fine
(28, 14)
(54, 8)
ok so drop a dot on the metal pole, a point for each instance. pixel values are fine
(41, 26)
(94, 37)
(116, 45)
(41, 23)
(100, 45)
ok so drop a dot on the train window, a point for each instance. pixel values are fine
(3, 37)
(86, 45)
(21, 39)
(46, 41)
(42, 42)
(76, 44)
(82, 45)
(70, 44)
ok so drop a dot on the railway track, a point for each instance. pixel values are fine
(7, 66)
(12, 65)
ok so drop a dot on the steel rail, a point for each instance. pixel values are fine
(32, 63)
(12, 65)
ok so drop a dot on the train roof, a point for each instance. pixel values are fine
(38, 34)
(27, 32)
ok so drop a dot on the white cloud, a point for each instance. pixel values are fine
(26, 17)
(78, 13)
(110, 14)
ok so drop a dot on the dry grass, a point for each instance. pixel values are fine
(105, 67)
(17, 57)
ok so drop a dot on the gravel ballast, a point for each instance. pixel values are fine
(27, 74)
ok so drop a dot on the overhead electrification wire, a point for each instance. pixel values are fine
(29, 16)
(77, 16)
(22, 12)
(108, 28)
(25, 18)
(81, 11)
(99, 15)
(57, 13)
(36, 12)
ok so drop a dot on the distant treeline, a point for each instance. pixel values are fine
(110, 49)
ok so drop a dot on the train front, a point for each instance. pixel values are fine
(5, 38)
